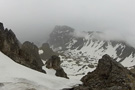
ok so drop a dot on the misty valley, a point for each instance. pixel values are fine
(67, 44)
(82, 61)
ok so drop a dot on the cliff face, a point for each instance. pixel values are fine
(9, 44)
(30, 56)
(26, 54)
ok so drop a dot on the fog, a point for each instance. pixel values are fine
(33, 20)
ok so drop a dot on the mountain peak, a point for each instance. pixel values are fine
(60, 35)
(91, 44)
(106, 57)
(63, 28)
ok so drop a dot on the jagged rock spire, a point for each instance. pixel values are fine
(25, 54)
(1, 26)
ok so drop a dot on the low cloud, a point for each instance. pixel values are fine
(78, 34)
(108, 35)
(33, 20)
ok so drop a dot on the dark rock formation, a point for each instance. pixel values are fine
(30, 52)
(1, 26)
(109, 75)
(1, 84)
(133, 69)
(47, 51)
(60, 36)
(26, 54)
(61, 73)
(9, 44)
(54, 62)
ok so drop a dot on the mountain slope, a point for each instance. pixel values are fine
(89, 47)
(25, 54)
(17, 77)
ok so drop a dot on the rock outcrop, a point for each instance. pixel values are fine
(9, 44)
(1, 26)
(54, 63)
(133, 69)
(26, 54)
(109, 75)
(47, 51)
(29, 52)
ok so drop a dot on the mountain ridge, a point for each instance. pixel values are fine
(25, 54)
(90, 45)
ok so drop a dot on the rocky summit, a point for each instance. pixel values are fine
(54, 63)
(25, 54)
(109, 75)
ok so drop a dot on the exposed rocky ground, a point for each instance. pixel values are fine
(54, 63)
(25, 54)
(30, 52)
(109, 75)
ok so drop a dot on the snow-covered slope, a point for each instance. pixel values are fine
(14, 76)
(86, 48)
(76, 68)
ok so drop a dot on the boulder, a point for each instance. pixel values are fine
(54, 63)
(61, 73)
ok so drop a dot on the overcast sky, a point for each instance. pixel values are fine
(31, 19)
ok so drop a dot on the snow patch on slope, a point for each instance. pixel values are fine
(129, 63)
(40, 52)
(76, 68)
(95, 49)
(17, 77)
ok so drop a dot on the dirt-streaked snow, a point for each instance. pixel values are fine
(17, 77)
